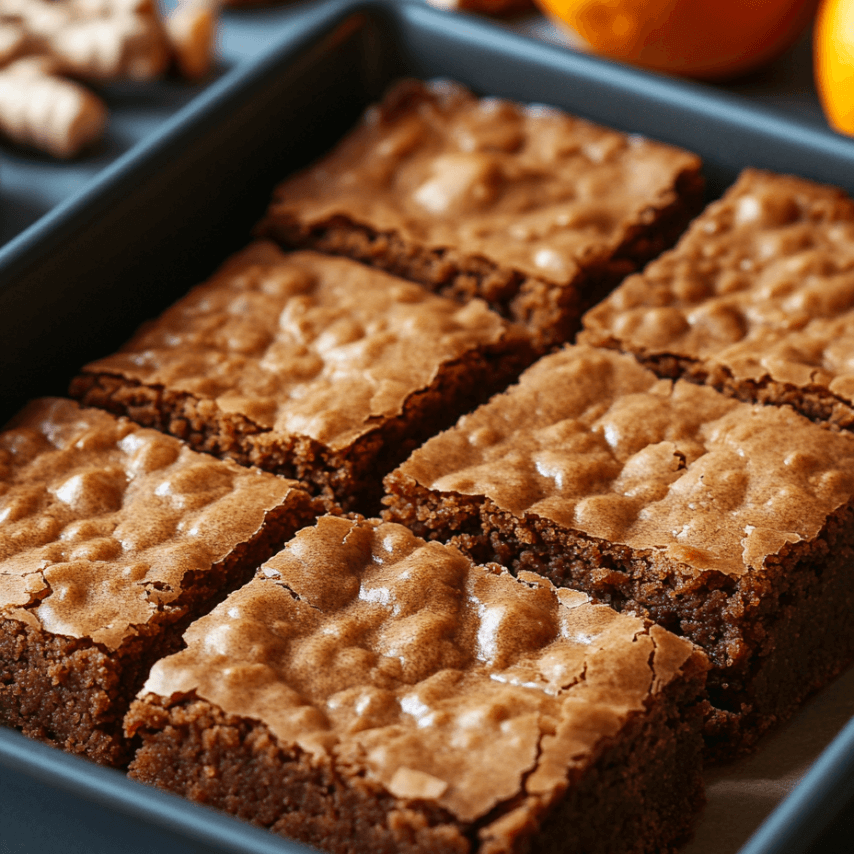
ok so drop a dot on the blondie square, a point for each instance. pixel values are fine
(727, 523)
(757, 300)
(368, 691)
(113, 538)
(535, 211)
(313, 367)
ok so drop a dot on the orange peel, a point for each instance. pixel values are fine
(706, 39)
(833, 56)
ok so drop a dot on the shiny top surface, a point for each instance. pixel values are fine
(596, 443)
(305, 344)
(102, 520)
(762, 283)
(525, 186)
(445, 681)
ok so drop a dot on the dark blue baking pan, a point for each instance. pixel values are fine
(163, 214)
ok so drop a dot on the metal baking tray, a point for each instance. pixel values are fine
(142, 228)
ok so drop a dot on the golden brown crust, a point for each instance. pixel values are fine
(756, 299)
(113, 539)
(361, 641)
(313, 367)
(302, 344)
(544, 198)
(437, 682)
(103, 520)
(722, 521)
(591, 441)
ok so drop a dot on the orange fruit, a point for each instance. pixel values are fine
(833, 55)
(706, 39)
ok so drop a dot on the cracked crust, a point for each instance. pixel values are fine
(471, 708)
(723, 522)
(114, 539)
(537, 212)
(757, 300)
(812, 400)
(311, 367)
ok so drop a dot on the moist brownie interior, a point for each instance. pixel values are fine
(113, 539)
(312, 367)
(371, 692)
(537, 212)
(757, 299)
(727, 523)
